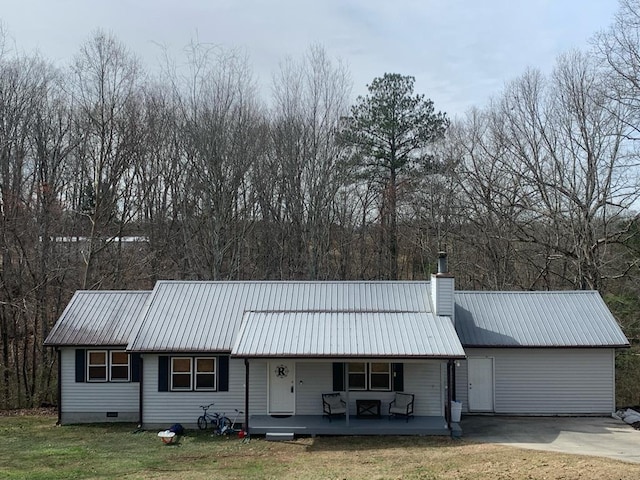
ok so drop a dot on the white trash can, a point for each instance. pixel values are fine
(456, 411)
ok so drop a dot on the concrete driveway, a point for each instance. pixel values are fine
(597, 436)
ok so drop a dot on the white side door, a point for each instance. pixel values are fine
(282, 395)
(481, 388)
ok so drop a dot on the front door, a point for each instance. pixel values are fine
(282, 394)
(480, 384)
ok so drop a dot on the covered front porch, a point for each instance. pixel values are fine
(293, 359)
(311, 425)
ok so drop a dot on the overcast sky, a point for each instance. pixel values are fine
(460, 51)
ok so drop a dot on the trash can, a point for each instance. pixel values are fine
(456, 411)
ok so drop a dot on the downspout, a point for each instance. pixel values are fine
(449, 393)
(59, 393)
(246, 395)
(454, 395)
(140, 392)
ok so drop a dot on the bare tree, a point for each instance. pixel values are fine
(618, 47)
(222, 129)
(106, 82)
(310, 98)
(34, 142)
(553, 164)
(53, 141)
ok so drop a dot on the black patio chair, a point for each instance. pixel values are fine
(402, 405)
(333, 405)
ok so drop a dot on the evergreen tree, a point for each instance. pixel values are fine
(390, 131)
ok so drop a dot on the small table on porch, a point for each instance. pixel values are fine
(368, 408)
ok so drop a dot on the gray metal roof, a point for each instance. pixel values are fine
(347, 334)
(536, 319)
(98, 318)
(205, 316)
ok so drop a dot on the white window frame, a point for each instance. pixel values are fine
(367, 378)
(189, 372)
(214, 373)
(105, 365)
(363, 374)
(372, 373)
(112, 364)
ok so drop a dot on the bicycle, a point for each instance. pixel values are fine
(218, 422)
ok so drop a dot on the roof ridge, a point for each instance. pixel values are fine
(277, 282)
(531, 292)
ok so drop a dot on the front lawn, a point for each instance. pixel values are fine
(33, 447)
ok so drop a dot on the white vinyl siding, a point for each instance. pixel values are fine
(424, 380)
(313, 378)
(547, 381)
(90, 401)
(162, 409)
(442, 295)
(420, 378)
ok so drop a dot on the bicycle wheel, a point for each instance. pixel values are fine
(202, 422)
(224, 427)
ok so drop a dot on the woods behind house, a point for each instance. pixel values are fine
(112, 178)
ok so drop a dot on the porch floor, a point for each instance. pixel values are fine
(309, 425)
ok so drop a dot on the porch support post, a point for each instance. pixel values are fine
(345, 371)
(246, 395)
(450, 367)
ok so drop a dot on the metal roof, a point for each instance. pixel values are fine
(347, 334)
(98, 318)
(205, 316)
(536, 319)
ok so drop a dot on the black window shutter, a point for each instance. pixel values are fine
(397, 371)
(135, 366)
(163, 373)
(80, 364)
(223, 373)
(338, 377)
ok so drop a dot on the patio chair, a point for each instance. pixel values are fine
(401, 405)
(332, 404)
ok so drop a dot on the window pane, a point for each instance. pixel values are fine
(97, 358)
(181, 381)
(357, 381)
(205, 365)
(205, 381)
(380, 381)
(380, 367)
(98, 373)
(119, 372)
(181, 373)
(181, 364)
(357, 367)
(119, 358)
(97, 366)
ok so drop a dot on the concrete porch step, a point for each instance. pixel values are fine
(279, 436)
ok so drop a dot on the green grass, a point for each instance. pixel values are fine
(32, 447)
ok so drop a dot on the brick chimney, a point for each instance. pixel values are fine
(442, 288)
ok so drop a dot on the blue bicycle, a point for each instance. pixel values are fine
(218, 422)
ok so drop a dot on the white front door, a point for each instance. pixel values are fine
(282, 395)
(480, 384)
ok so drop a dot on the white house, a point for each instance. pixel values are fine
(271, 349)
